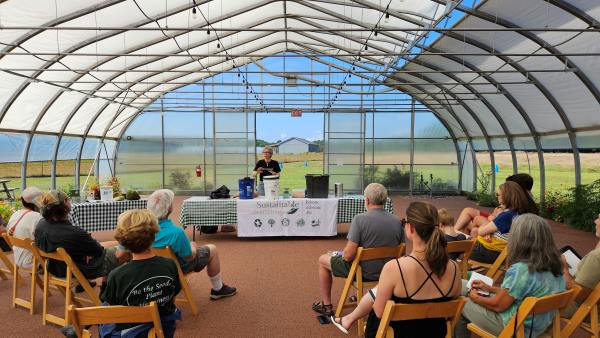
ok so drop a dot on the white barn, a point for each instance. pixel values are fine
(295, 145)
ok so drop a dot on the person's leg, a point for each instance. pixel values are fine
(486, 319)
(362, 310)
(214, 263)
(325, 278)
(465, 218)
(483, 255)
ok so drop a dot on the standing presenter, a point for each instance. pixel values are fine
(265, 167)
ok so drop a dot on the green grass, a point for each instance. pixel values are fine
(558, 177)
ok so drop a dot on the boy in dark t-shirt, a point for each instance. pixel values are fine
(146, 277)
(447, 225)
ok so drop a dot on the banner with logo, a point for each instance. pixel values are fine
(288, 217)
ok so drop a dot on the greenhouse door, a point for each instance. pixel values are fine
(234, 150)
(344, 149)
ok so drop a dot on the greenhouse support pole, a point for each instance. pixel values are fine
(96, 165)
(412, 146)
(162, 139)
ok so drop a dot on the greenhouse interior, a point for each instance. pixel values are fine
(434, 101)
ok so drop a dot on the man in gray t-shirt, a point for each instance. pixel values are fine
(373, 229)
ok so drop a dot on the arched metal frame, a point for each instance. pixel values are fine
(407, 17)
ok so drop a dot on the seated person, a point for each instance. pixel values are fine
(191, 258)
(56, 231)
(492, 237)
(587, 276)
(474, 217)
(145, 278)
(426, 275)
(22, 225)
(373, 229)
(447, 226)
(535, 270)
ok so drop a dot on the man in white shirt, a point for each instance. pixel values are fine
(22, 224)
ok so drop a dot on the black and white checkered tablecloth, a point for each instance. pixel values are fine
(198, 211)
(348, 207)
(101, 216)
(201, 211)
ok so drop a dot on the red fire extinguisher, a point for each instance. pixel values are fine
(198, 171)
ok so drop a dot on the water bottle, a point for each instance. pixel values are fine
(286, 193)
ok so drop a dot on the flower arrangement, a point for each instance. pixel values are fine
(115, 184)
(6, 210)
(94, 190)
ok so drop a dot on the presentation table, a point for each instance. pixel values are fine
(101, 216)
(201, 212)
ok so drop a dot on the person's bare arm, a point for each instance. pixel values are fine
(499, 302)
(487, 229)
(385, 287)
(350, 251)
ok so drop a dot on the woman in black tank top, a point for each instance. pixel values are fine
(426, 275)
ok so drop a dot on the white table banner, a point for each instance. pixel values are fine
(288, 217)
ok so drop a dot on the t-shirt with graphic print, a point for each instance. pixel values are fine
(522, 283)
(139, 282)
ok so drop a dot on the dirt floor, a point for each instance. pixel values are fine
(276, 279)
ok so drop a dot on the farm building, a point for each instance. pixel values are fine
(295, 145)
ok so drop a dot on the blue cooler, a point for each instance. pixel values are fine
(246, 188)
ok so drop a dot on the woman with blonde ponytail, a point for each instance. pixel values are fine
(426, 275)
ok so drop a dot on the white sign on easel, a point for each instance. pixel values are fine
(289, 217)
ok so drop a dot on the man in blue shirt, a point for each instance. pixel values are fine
(190, 256)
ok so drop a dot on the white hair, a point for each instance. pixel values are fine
(376, 193)
(160, 203)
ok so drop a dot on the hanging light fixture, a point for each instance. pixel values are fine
(194, 13)
(208, 31)
(218, 45)
(387, 17)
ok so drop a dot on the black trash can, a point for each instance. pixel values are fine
(317, 186)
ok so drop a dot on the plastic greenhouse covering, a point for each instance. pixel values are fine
(464, 81)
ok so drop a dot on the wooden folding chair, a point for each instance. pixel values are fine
(24, 243)
(589, 307)
(187, 291)
(532, 306)
(8, 270)
(65, 285)
(495, 269)
(463, 248)
(449, 310)
(81, 317)
(355, 280)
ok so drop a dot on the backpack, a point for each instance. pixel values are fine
(222, 192)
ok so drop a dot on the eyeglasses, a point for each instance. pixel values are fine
(267, 152)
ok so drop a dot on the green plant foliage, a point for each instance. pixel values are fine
(579, 206)
(132, 195)
(180, 180)
(6, 210)
(555, 202)
(484, 196)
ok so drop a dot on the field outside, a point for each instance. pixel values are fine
(559, 171)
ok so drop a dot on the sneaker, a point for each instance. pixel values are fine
(68, 331)
(226, 291)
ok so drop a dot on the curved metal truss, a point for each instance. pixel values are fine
(495, 70)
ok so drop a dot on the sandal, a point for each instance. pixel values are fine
(339, 324)
(322, 308)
